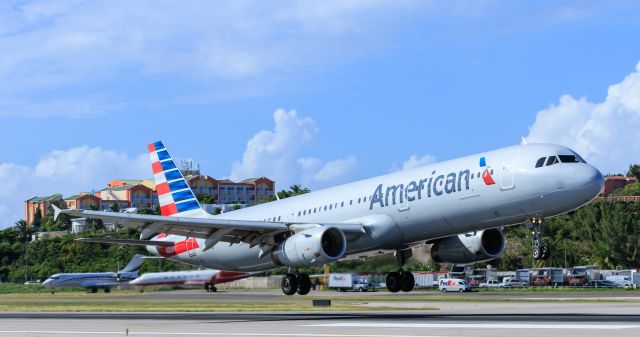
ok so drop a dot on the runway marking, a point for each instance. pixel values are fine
(540, 325)
(144, 333)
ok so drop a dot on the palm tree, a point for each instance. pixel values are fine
(23, 231)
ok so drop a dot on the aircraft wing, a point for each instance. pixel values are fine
(212, 229)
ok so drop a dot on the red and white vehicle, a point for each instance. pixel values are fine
(204, 277)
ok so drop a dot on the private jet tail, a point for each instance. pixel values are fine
(174, 194)
(133, 267)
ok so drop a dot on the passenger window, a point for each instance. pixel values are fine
(359, 199)
(350, 202)
(568, 159)
(342, 204)
(325, 207)
(305, 212)
(540, 162)
(330, 206)
(552, 160)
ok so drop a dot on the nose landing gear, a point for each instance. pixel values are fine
(540, 251)
(401, 280)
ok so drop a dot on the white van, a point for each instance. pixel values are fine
(621, 280)
(453, 284)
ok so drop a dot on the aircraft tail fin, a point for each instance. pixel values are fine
(134, 265)
(174, 194)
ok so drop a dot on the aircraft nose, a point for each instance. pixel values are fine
(46, 282)
(589, 179)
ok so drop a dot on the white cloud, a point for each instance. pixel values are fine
(277, 154)
(48, 48)
(79, 169)
(414, 161)
(317, 172)
(605, 133)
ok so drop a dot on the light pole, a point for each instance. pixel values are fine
(26, 256)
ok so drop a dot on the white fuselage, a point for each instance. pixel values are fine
(189, 277)
(88, 280)
(195, 277)
(426, 203)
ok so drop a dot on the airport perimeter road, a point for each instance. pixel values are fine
(322, 325)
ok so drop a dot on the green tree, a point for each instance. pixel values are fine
(23, 231)
(293, 191)
(206, 198)
(93, 225)
(634, 171)
(115, 207)
(37, 220)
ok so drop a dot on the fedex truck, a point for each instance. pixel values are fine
(346, 281)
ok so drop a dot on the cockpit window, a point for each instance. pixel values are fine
(540, 162)
(552, 160)
(568, 158)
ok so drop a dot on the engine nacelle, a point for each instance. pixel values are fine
(467, 248)
(313, 246)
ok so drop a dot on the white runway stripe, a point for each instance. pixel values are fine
(148, 333)
(541, 325)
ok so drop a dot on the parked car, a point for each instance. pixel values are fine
(601, 284)
(490, 284)
(453, 284)
(513, 283)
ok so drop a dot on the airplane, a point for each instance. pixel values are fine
(206, 277)
(459, 206)
(94, 281)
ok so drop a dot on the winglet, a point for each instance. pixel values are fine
(56, 212)
(524, 141)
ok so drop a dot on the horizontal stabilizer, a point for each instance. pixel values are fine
(131, 242)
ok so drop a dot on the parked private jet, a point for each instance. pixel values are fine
(205, 277)
(95, 281)
(459, 206)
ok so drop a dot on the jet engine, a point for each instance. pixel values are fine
(467, 248)
(313, 246)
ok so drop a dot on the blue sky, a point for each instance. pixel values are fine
(364, 87)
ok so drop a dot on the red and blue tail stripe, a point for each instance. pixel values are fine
(174, 194)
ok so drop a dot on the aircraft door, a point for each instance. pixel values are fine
(506, 171)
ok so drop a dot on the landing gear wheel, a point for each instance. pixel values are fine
(94, 290)
(408, 281)
(394, 282)
(304, 284)
(107, 290)
(537, 253)
(289, 284)
(545, 252)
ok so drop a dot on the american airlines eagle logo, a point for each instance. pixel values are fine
(486, 174)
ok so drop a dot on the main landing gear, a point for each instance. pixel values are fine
(210, 288)
(540, 251)
(296, 283)
(401, 280)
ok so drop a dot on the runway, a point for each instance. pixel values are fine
(573, 317)
(329, 325)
